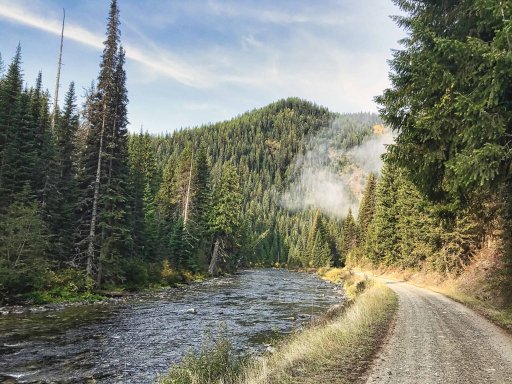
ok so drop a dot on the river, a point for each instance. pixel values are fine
(133, 341)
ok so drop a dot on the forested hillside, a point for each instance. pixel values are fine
(264, 145)
(84, 205)
(443, 202)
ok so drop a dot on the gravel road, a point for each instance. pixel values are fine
(436, 340)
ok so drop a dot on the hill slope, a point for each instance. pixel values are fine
(267, 147)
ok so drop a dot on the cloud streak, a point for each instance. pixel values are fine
(273, 16)
(163, 62)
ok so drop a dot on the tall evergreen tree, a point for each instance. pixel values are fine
(349, 234)
(383, 237)
(450, 102)
(43, 140)
(63, 187)
(225, 216)
(10, 99)
(106, 156)
(367, 207)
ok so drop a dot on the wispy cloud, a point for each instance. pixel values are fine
(160, 61)
(195, 61)
(273, 15)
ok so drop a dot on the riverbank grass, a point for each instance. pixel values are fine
(332, 351)
(338, 352)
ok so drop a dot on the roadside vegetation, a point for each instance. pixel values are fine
(335, 349)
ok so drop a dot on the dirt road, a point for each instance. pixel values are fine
(436, 340)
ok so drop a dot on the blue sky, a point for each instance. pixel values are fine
(191, 62)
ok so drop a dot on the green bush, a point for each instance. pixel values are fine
(135, 273)
(215, 362)
(68, 284)
(168, 275)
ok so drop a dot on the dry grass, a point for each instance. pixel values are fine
(338, 352)
(334, 275)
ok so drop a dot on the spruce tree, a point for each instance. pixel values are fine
(367, 207)
(63, 189)
(225, 216)
(349, 234)
(383, 238)
(105, 163)
(416, 225)
(43, 140)
(10, 94)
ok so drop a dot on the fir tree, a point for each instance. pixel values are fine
(383, 237)
(367, 207)
(349, 234)
(10, 94)
(225, 216)
(63, 187)
(104, 205)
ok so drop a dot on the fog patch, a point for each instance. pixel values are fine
(331, 179)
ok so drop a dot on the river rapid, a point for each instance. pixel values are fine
(133, 341)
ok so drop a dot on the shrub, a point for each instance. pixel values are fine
(215, 362)
(135, 273)
(168, 275)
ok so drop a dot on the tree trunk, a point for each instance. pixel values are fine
(57, 80)
(94, 214)
(187, 196)
(212, 269)
(109, 178)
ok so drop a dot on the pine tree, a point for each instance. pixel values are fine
(104, 206)
(450, 103)
(10, 94)
(43, 141)
(416, 226)
(225, 216)
(383, 238)
(197, 228)
(349, 234)
(367, 207)
(63, 188)
(24, 148)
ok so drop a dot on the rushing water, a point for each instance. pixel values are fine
(133, 341)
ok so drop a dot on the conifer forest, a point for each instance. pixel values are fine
(87, 206)
(290, 243)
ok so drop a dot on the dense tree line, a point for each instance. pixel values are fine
(444, 193)
(85, 205)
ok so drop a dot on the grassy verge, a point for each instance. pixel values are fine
(334, 351)
(464, 289)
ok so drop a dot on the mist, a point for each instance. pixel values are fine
(332, 179)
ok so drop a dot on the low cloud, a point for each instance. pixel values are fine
(320, 185)
(369, 154)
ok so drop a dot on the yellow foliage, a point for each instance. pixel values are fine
(379, 129)
(166, 270)
(334, 275)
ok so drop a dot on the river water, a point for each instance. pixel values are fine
(133, 341)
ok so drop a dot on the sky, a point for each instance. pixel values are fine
(193, 62)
